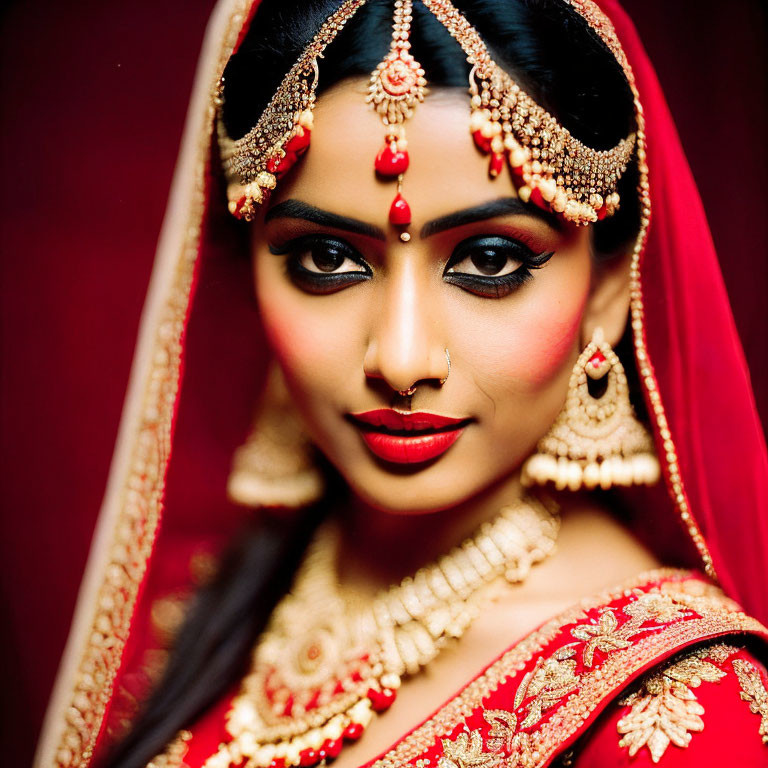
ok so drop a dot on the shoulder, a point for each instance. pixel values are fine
(707, 706)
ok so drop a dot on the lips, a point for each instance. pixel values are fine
(408, 438)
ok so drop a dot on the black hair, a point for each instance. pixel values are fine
(565, 66)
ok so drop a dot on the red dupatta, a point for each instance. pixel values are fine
(176, 442)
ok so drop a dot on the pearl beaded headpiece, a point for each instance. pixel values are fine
(549, 166)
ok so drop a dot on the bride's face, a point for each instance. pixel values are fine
(354, 314)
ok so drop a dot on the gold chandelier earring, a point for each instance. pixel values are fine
(276, 467)
(596, 439)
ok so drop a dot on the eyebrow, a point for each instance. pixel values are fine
(503, 206)
(297, 209)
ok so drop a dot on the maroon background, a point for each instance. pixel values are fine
(93, 101)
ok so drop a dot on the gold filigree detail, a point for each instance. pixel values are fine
(467, 751)
(603, 636)
(665, 709)
(503, 726)
(608, 636)
(753, 691)
(548, 682)
(173, 755)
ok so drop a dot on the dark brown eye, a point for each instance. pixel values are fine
(492, 266)
(489, 262)
(487, 256)
(320, 264)
(328, 257)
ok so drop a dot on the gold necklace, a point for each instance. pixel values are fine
(328, 661)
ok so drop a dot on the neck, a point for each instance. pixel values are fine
(380, 548)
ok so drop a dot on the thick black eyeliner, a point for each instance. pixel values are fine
(494, 286)
(318, 283)
(491, 287)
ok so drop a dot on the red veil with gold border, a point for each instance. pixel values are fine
(200, 360)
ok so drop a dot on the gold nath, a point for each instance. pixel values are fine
(549, 166)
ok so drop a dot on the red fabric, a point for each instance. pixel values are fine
(730, 735)
(660, 618)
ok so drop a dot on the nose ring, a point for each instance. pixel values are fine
(448, 360)
(412, 389)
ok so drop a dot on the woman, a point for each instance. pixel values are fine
(441, 316)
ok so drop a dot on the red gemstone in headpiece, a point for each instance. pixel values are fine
(381, 700)
(483, 142)
(391, 163)
(330, 748)
(299, 142)
(400, 212)
(538, 199)
(353, 731)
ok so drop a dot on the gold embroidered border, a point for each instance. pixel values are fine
(173, 755)
(141, 498)
(516, 659)
(621, 665)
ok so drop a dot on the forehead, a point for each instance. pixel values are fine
(446, 170)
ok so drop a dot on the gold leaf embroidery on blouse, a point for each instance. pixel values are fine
(466, 751)
(665, 709)
(603, 636)
(753, 691)
(173, 756)
(548, 682)
(606, 635)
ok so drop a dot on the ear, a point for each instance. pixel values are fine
(608, 303)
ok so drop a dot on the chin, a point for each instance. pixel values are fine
(417, 491)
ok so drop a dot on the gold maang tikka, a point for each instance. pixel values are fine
(548, 165)
(397, 85)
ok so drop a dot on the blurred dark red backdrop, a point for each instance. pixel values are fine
(93, 101)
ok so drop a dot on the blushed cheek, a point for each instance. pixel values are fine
(550, 346)
(542, 344)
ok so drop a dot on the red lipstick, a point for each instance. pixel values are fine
(408, 437)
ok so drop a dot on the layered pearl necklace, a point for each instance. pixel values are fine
(328, 661)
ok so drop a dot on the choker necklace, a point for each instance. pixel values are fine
(328, 661)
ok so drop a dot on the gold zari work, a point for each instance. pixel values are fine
(753, 691)
(553, 700)
(664, 709)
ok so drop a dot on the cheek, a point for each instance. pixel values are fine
(547, 342)
(530, 349)
(311, 337)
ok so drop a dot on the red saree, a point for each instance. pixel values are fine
(556, 689)
(165, 510)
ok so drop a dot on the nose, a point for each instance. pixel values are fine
(406, 347)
